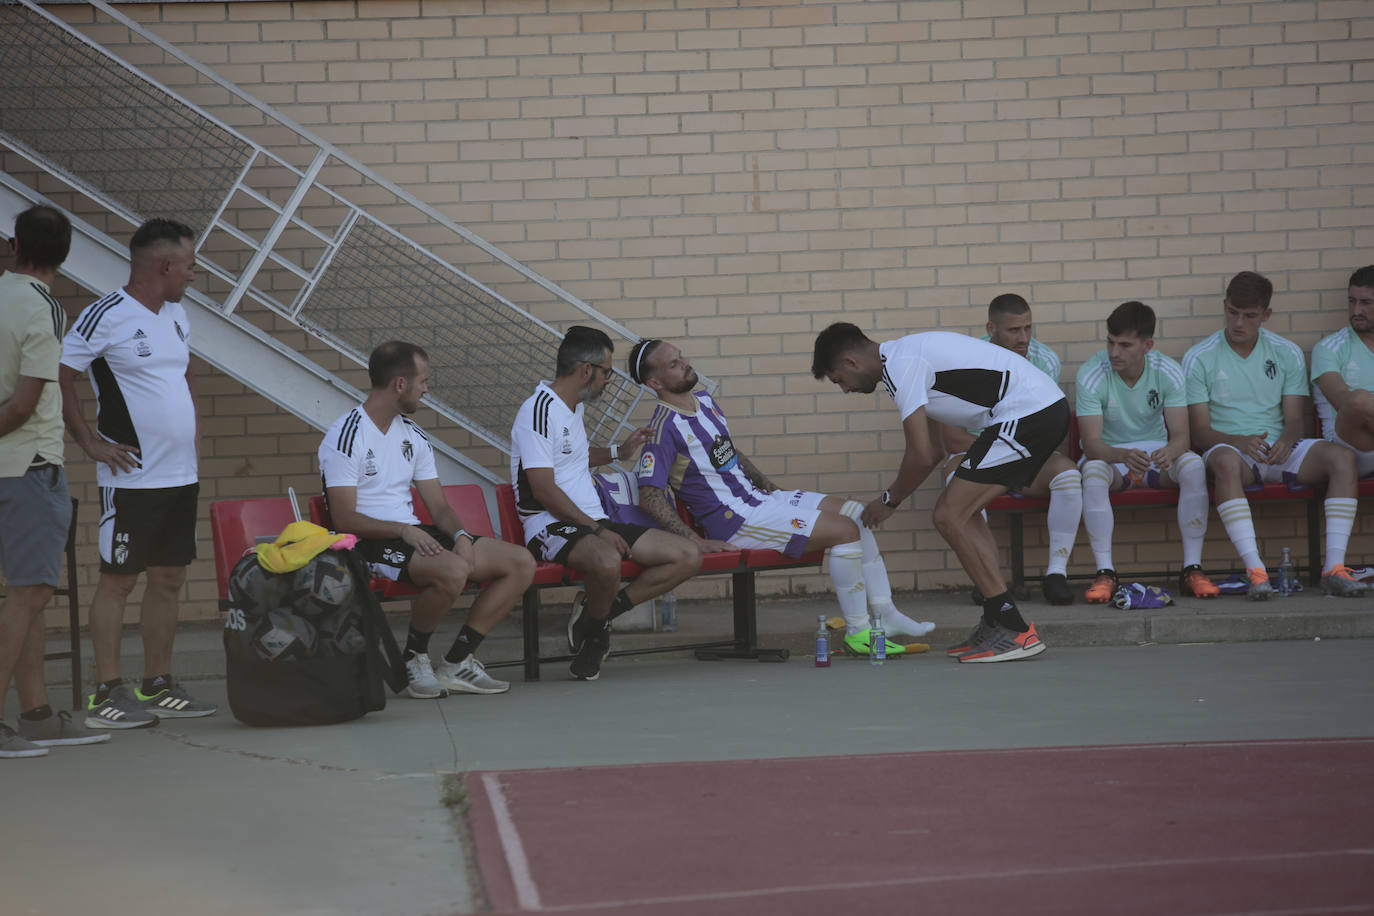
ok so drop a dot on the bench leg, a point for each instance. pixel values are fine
(746, 627)
(530, 631)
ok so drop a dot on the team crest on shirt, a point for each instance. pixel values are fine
(1153, 399)
(567, 441)
(798, 524)
(1270, 370)
(646, 465)
(723, 457)
(141, 343)
(407, 450)
(370, 464)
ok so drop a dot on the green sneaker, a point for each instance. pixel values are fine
(174, 703)
(858, 644)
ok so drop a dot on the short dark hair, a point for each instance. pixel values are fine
(834, 342)
(158, 230)
(1248, 289)
(1363, 277)
(1132, 318)
(1007, 304)
(391, 360)
(44, 236)
(581, 345)
(639, 359)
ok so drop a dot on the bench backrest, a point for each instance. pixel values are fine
(235, 526)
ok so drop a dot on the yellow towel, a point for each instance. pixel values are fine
(298, 544)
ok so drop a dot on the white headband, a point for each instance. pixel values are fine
(639, 360)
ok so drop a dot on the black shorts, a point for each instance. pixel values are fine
(556, 541)
(1013, 451)
(390, 558)
(142, 528)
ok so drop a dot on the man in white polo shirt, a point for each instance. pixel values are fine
(135, 345)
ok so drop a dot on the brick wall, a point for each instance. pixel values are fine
(737, 176)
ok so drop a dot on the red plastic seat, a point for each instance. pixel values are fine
(236, 525)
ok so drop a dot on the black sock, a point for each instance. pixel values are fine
(588, 626)
(102, 690)
(1001, 611)
(37, 714)
(467, 642)
(620, 604)
(152, 685)
(417, 643)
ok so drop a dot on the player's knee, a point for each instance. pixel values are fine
(1340, 461)
(1225, 462)
(1096, 474)
(946, 519)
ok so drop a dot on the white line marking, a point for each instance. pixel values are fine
(940, 879)
(526, 893)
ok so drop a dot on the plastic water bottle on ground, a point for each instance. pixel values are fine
(877, 641)
(1286, 575)
(822, 643)
(667, 610)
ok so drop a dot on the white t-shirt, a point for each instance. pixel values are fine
(546, 434)
(137, 359)
(381, 465)
(963, 381)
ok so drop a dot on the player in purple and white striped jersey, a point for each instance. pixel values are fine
(691, 451)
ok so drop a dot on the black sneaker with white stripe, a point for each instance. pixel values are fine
(120, 710)
(174, 702)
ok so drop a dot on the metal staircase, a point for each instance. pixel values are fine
(309, 258)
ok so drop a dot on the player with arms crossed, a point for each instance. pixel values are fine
(1133, 422)
(1343, 375)
(1247, 396)
(369, 459)
(954, 379)
(739, 507)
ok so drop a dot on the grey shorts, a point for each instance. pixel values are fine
(35, 512)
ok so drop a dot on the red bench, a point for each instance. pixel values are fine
(1017, 506)
(741, 565)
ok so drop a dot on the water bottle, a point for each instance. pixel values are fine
(877, 641)
(822, 643)
(667, 612)
(1286, 575)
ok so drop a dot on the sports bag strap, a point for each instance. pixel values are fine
(382, 649)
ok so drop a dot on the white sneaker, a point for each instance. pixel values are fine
(420, 674)
(467, 676)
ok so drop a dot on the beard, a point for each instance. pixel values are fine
(689, 381)
(589, 392)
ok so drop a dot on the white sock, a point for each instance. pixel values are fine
(1340, 519)
(1097, 510)
(1066, 509)
(1240, 528)
(846, 574)
(1191, 476)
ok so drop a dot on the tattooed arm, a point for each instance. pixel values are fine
(758, 477)
(655, 502)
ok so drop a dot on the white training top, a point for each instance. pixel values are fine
(137, 360)
(963, 381)
(381, 465)
(546, 434)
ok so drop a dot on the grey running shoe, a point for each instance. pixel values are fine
(13, 745)
(467, 676)
(1338, 581)
(175, 703)
(1000, 644)
(121, 710)
(1260, 587)
(579, 605)
(587, 665)
(420, 674)
(59, 730)
(972, 640)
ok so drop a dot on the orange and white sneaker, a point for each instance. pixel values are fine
(1193, 581)
(1260, 589)
(1103, 587)
(1338, 581)
(970, 641)
(1000, 644)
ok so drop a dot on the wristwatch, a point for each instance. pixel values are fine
(464, 533)
(888, 501)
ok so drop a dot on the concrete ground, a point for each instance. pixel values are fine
(207, 816)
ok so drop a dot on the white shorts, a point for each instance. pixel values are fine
(1364, 461)
(1152, 478)
(1271, 473)
(783, 523)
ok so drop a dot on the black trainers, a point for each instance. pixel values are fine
(579, 606)
(593, 651)
(1056, 589)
